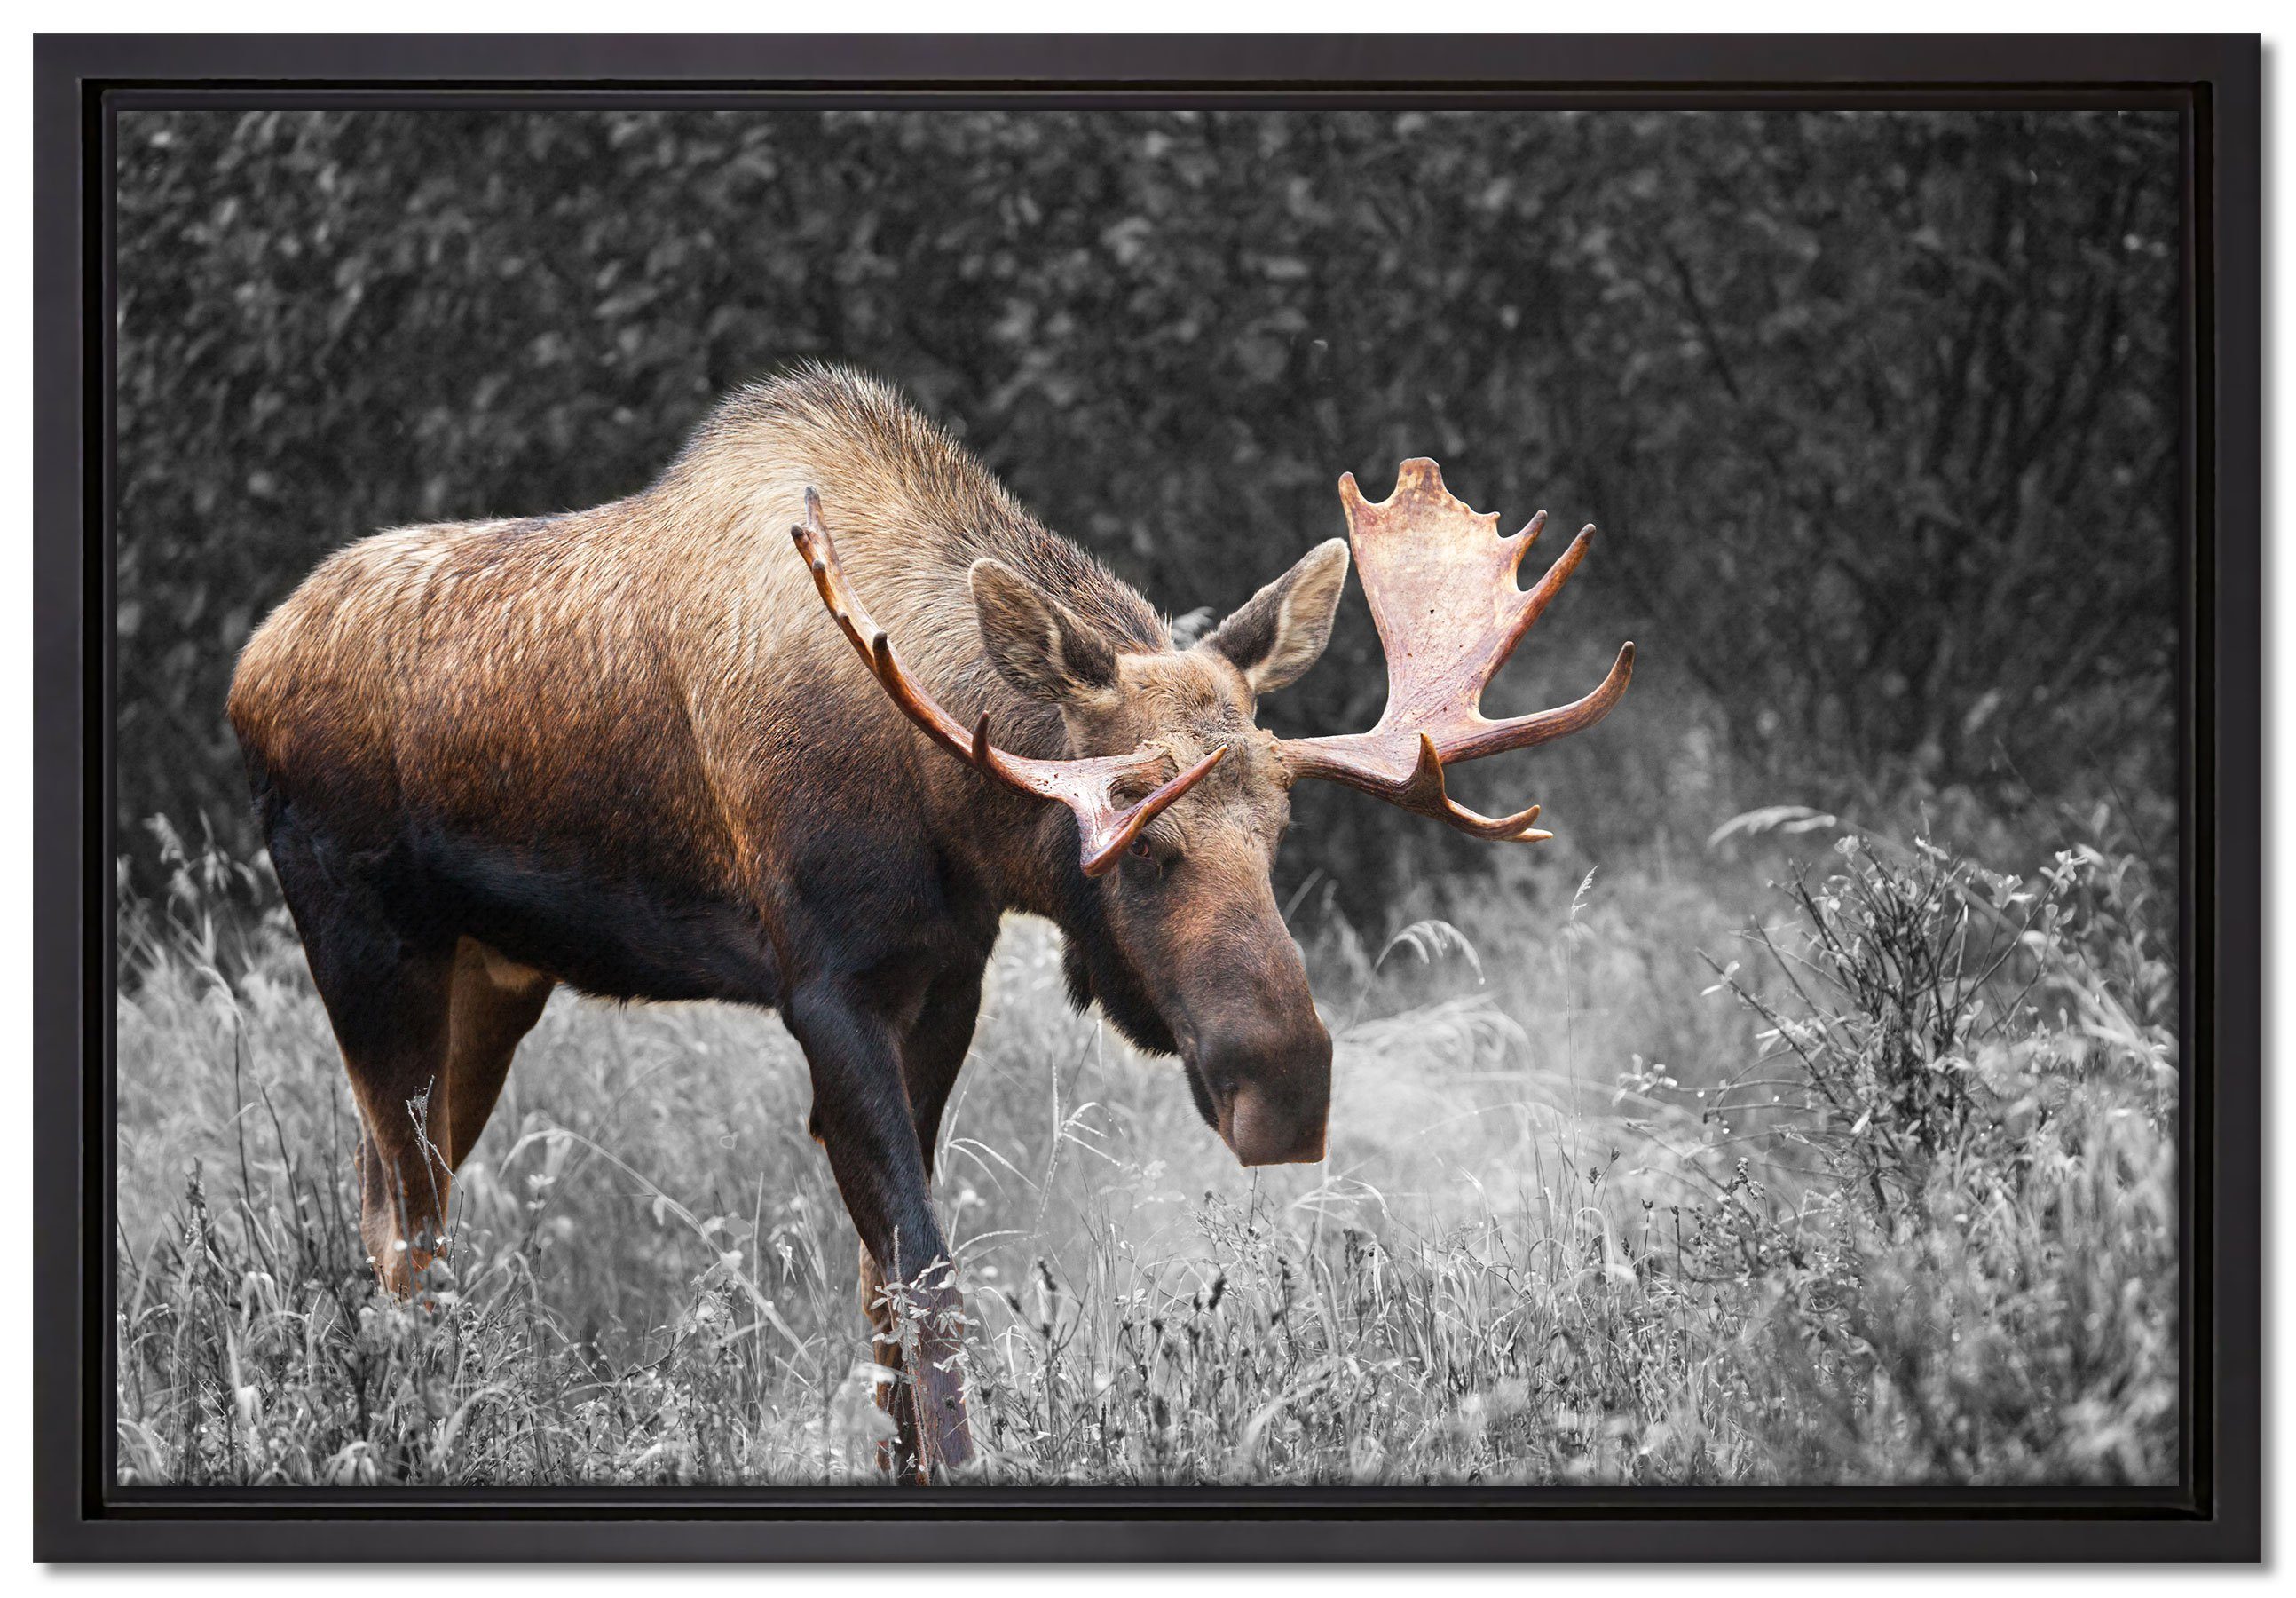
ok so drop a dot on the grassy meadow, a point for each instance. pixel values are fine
(1802, 1155)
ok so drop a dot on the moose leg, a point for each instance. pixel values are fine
(932, 1051)
(861, 1114)
(496, 1004)
(388, 997)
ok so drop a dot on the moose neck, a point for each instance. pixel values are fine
(911, 513)
(1025, 852)
(1024, 849)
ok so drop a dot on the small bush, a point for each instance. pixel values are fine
(1986, 1290)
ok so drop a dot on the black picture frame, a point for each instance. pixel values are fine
(2214, 1513)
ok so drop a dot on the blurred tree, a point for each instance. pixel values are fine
(1878, 412)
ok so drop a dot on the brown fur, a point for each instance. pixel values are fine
(626, 748)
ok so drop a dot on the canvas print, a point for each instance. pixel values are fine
(1146, 797)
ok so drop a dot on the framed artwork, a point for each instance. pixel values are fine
(785, 783)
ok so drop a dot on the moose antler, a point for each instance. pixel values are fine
(1443, 593)
(1088, 786)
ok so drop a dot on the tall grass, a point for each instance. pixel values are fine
(1890, 1200)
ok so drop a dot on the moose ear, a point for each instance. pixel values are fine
(1282, 629)
(1032, 639)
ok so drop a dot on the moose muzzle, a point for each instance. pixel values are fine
(1272, 1105)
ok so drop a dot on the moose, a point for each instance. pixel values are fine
(651, 753)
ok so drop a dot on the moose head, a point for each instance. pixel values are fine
(1180, 799)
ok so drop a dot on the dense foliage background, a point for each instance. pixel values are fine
(1877, 412)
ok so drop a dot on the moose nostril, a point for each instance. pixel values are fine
(1267, 1132)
